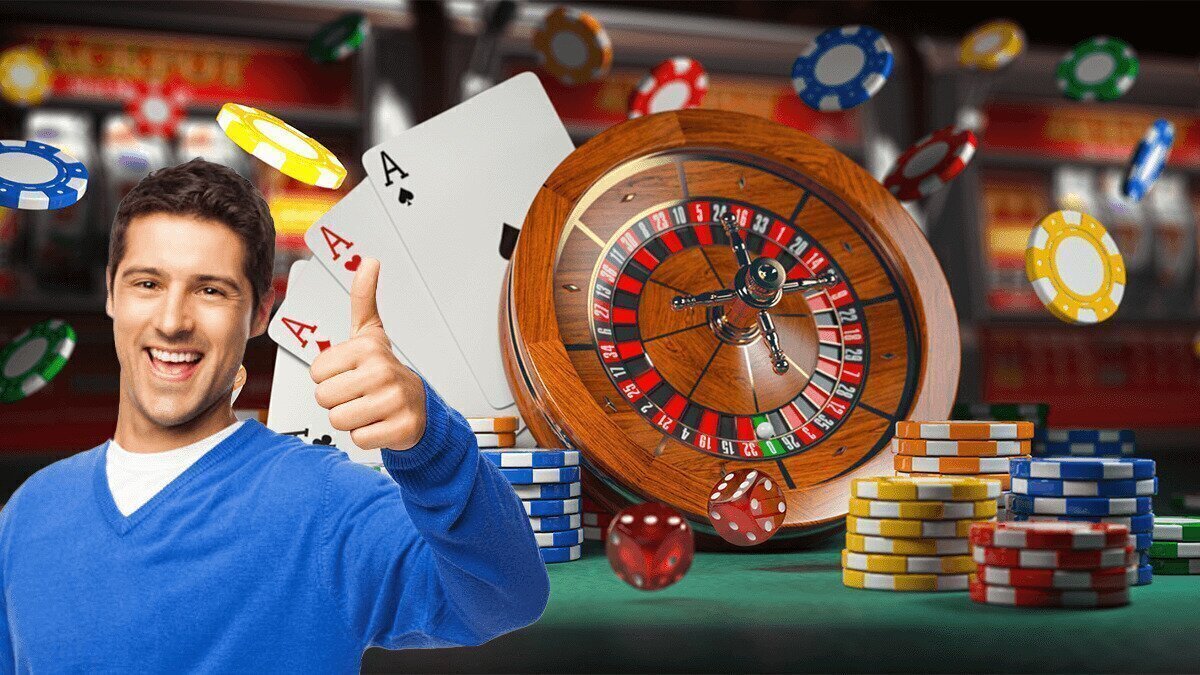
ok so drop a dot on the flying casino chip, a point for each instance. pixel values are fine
(33, 358)
(1060, 535)
(968, 430)
(1176, 528)
(35, 176)
(930, 163)
(842, 68)
(1075, 267)
(24, 76)
(908, 564)
(951, 489)
(339, 38)
(1098, 69)
(1105, 579)
(992, 46)
(573, 46)
(281, 146)
(889, 546)
(1148, 159)
(1053, 487)
(156, 108)
(1042, 597)
(918, 447)
(904, 582)
(675, 84)
(922, 510)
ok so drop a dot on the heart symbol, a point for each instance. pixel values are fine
(353, 263)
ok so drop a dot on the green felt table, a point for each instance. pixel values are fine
(748, 612)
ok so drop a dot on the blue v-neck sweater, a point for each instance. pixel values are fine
(267, 555)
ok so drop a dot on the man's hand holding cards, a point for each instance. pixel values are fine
(366, 389)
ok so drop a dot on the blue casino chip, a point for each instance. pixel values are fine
(1088, 435)
(1143, 540)
(556, 523)
(561, 538)
(557, 554)
(566, 474)
(1136, 524)
(1082, 449)
(1080, 506)
(842, 68)
(1055, 487)
(1082, 468)
(550, 507)
(1149, 158)
(36, 176)
(1141, 575)
(548, 490)
(527, 458)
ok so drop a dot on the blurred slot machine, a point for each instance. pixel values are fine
(1170, 209)
(201, 138)
(1126, 220)
(59, 239)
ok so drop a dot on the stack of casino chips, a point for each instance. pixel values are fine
(977, 448)
(1053, 564)
(1176, 547)
(1115, 490)
(1084, 443)
(596, 520)
(547, 481)
(910, 534)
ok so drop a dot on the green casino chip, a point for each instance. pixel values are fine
(1101, 68)
(1166, 566)
(33, 358)
(1175, 549)
(339, 38)
(1176, 528)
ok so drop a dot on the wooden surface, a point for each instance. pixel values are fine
(636, 168)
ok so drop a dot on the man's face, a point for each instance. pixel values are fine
(182, 310)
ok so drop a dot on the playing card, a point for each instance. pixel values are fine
(314, 315)
(356, 227)
(449, 187)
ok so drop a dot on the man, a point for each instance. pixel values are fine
(192, 542)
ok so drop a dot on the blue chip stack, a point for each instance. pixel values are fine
(1084, 443)
(1094, 489)
(547, 481)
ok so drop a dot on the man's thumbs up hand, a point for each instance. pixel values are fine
(362, 384)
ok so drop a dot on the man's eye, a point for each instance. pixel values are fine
(214, 291)
(146, 284)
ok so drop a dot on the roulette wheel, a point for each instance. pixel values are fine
(700, 291)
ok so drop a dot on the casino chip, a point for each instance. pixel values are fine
(1136, 524)
(539, 508)
(1083, 449)
(923, 448)
(1175, 549)
(1081, 506)
(573, 46)
(495, 440)
(951, 465)
(531, 458)
(339, 38)
(953, 489)
(35, 176)
(904, 582)
(964, 430)
(281, 146)
(1099, 68)
(156, 108)
(565, 474)
(927, 546)
(1176, 528)
(560, 538)
(1083, 468)
(908, 564)
(842, 68)
(1075, 267)
(558, 554)
(1039, 597)
(930, 163)
(992, 46)
(675, 84)
(1054, 487)
(1059, 535)
(1104, 579)
(24, 76)
(492, 425)
(1064, 559)
(908, 528)
(555, 523)
(922, 510)
(1001, 479)
(1171, 566)
(548, 491)
(33, 358)
(1148, 159)
(1089, 435)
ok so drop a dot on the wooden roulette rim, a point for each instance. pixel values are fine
(660, 400)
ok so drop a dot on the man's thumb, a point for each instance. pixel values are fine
(364, 313)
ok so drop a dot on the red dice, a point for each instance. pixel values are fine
(649, 546)
(746, 507)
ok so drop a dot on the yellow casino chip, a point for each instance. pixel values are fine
(281, 145)
(1075, 267)
(992, 46)
(24, 76)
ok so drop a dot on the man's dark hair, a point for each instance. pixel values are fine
(206, 191)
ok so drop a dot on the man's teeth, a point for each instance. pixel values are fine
(175, 357)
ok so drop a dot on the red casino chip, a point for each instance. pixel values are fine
(1047, 535)
(156, 108)
(1061, 559)
(675, 84)
(1105, 579)
(930, 163)
(1045, 597)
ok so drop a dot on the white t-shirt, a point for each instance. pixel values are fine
(135, 477)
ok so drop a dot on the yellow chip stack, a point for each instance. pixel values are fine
(962, 448)
(911, 534)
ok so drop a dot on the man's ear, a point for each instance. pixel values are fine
(108, 296)
(262, 314)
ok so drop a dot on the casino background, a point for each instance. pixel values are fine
(1038, 152)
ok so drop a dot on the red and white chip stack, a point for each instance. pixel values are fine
(595, 520)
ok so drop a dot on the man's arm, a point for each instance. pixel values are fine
(8, 656)
(448, 559)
